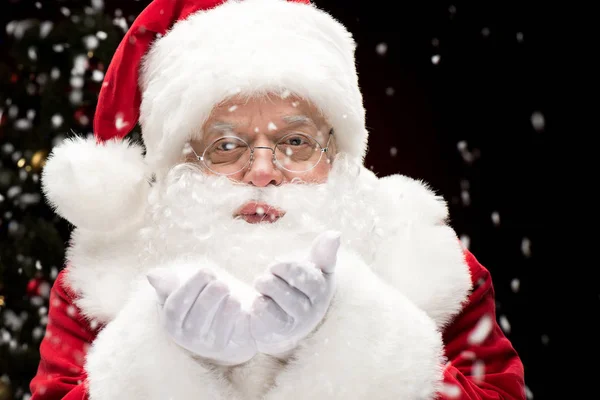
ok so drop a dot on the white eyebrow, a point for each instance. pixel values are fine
(226, 128)
(298, 119)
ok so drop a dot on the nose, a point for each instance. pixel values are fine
(262, 171)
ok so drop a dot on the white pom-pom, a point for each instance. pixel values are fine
(99, 187)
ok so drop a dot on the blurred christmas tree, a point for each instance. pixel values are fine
(56, 56)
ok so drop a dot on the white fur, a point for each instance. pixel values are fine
(96, 186)
(132, 358)
(401, 277)
(242, 47)
(420, 255)
(374, 344)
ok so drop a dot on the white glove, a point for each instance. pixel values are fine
(204, 318)
(295, 297)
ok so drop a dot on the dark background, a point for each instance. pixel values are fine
(458, 94)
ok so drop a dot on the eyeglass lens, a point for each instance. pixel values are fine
(294, 152)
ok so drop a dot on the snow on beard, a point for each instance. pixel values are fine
(191, 216)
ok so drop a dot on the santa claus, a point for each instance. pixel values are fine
(243, 251)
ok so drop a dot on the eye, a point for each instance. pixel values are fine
(297, 140)
(227, 146)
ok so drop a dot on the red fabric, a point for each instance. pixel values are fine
(503, 372)
(120, 96)
(61, 375)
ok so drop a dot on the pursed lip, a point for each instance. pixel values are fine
(256, 212)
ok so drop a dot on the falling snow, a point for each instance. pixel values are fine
(504, 324)
(465, 197)
(515, 284)
(97, 76)
(91, 42)
(23, 124)
(465, 240)
(545, 339)
(98, 4)
(528, 393)
(17, 28)
(55, 73)
(526, 247)
(77, 82)
(381, 49)
(37, 333)
(13, 111)
(538, 121)
(450, 390)
(120, 123)
(496, 218)
(32, 52)
(76, 97)
(467, 155)
(478, 371)
(71, 311)
(57, 120)
(481, 330)
(45, 28)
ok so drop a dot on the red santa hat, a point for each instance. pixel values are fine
(182, 57)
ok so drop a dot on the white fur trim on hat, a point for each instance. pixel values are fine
(247, 47)
(99, 187)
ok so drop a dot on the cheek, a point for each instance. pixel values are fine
(238, 177)
(318, 174)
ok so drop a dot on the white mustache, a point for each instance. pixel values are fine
(220, 194)
(188, 200)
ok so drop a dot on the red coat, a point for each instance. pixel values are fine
(61, 374)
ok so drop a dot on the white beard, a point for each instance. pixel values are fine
(191, 216)
(419, 271)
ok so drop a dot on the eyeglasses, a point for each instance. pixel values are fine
(295, 152)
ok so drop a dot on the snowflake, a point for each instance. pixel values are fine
(381, 48)
(481, 330)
